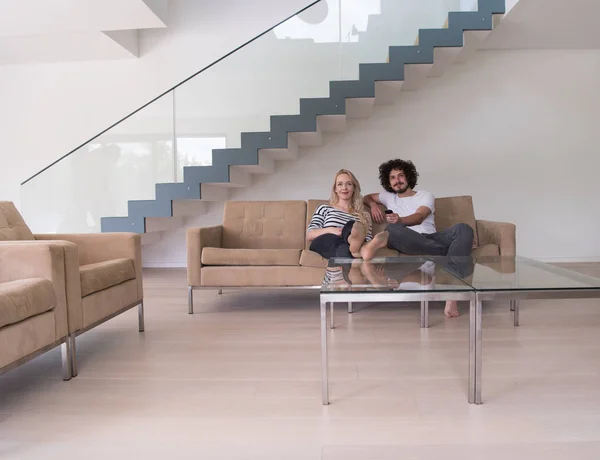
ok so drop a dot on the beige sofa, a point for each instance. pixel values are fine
(103, 272)
(263, 244)
(33, 305)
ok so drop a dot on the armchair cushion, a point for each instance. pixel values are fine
(502, 234)
(220, 256)
(22, 299)
(102, 275)
(12, 225)
(453, 210)
(105, 247)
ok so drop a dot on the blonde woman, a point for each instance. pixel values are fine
(342, 228)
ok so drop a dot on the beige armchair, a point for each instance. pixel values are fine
(103, 272)
(33, 304)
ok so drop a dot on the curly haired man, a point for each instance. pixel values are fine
(411, 224)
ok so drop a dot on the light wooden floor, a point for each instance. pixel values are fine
(241, 380)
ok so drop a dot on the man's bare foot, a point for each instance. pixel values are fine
(369, 249)
(377, 279)
(357, 237)
(451, 309)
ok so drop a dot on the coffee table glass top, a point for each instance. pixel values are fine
(516, 273)
(443, 274)
(389, 274)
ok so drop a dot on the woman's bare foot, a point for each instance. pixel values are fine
(451, 309)
(369, 249)
(357, 237)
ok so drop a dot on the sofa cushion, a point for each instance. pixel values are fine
(453, 210)
(312, 259)
(262, 276)
(264, 225)
(102, 275)
(22, 299)
(280, 257)
(12, 225)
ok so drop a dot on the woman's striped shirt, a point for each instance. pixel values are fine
(328, 216)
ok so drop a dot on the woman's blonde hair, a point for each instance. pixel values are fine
(356, 203)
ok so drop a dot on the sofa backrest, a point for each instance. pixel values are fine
(448, 211)
(12, 225)
(264, 224)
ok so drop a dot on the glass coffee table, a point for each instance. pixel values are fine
(424, 279)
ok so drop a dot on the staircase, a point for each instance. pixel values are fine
(407, 69)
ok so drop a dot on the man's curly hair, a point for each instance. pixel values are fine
(410, 171)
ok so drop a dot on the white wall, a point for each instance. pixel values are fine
(517, 130)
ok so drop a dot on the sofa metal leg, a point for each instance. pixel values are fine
(512, 305)
(190, 300)
(66, 355)
(141, 316)
(350, 309)
(424, 314)
(220, 291)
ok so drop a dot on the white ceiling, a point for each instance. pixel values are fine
(66, 30)
(549, 24)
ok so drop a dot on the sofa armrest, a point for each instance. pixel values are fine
(55, 261)
(198, 238)
(502, 234)
(100, 247)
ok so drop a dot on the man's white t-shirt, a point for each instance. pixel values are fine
(406, 206)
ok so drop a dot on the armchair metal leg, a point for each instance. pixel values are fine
(66, 355)
(141, 316)
(350, 309)
(190, 300)
(73, 356)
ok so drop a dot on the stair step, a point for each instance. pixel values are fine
(360, 107)
(122, 224)
(289, 153)
(237, 178)
(308, 139)
(212, 192)
(387, 92)
(217, 173)
(332, 123)
(184, 208)
(150, 208)
(443, 59)
(415, 76)
(266, 164)
(178, 191)
(351, 89)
